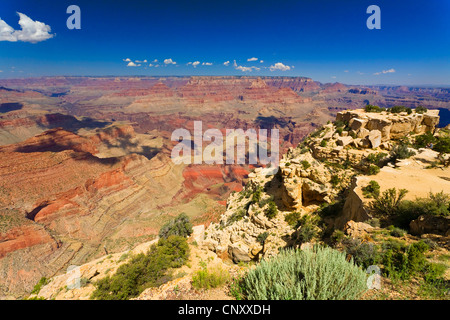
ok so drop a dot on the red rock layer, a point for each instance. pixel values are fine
(24, 237)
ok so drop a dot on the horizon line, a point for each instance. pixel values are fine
(229, 76)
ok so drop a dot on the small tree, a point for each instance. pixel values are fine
(401, 151)
(389, 202)
(180, 226)
(272, 211)
(372, 190)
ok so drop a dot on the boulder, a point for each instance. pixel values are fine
(356, 123)
(356, 229)
(239, 252)
(375, 138)
(430, 224)
(383, 125)
(328, 135)
(364, 143)
(362, 133)
(313, 192)
(343, 141)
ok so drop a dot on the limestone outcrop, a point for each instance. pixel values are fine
(391, 126)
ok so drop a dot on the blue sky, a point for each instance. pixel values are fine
(325, 40)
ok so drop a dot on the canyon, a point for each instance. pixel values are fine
(85, 161)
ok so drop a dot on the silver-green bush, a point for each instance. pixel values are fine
(320, 273)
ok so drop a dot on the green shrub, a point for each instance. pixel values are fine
(262, 237)
(401, 151)
(331, 209)
(420, 109)
(397, 232)
(41, 283)
(337, 236)
(442, 145)
(398, 109)
(339, 130)
(123, 257)
(340, 124)
(305, 164)
(375, 158)
(236, 216)
(372, 190)
(436, 204)
(373, 170)
(180, 226)
(389, 202)
(424, 140)
(292, 218)
(364, 254)
(335, 180)
(144, 270)
(237, 288)
(403, 262)
(272, 210)
(307, 230)
(304, 150)
(306, 233)
(316, 274)
(207, 279)
(323, 143)
(371, 108)
(256, 198)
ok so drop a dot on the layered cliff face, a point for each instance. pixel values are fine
(66, 200)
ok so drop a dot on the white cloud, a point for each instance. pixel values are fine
(131, 64)
(346, 71)
(155, 61)
(6, 32)
(261, 61)
(252, 59)
(206, 64)
(1, 70)
(359, 72)
(32, 31)
(279, 66)
(195, 63)
(333, 77)
(244, 69)
(234, 63)
(169, 61)
(127, 60)
(384, 72)
(226, 63)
